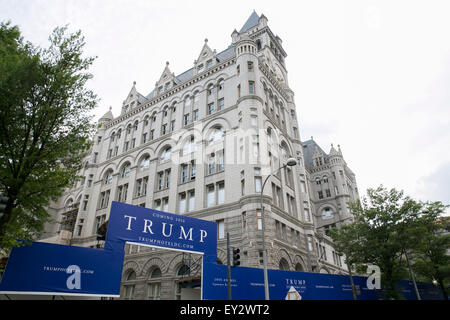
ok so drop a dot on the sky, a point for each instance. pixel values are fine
(370, 76)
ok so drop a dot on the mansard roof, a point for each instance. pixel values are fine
(309, 147)
(189, 74)
(252, 21)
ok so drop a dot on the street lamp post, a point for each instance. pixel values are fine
(290, 162)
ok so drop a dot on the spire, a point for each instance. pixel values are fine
(252, 21)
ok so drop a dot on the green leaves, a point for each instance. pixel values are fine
(45, 129)
(386, 224)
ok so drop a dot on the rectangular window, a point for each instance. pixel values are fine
(221, 164)
(172, 125)
(160, 180)
(221, 229)
(157, 205)
(258, 184)
(193, 170)
(165, 204)
(167, 178)
(184, 173)
(195, 115)
(251, 87)
(191, 206)
(211, 108)
(310, 243)
(85, 202)
(212, 164)
(221, 193)
(320, 194)
(186, 119)
(258, 219)
(138, 187)
(303, 186)
(307, 216)
(221, 103)
(182, 204)
(239, 90)
(250, 66)
(144, 186)
(211, 196)
(254, 121)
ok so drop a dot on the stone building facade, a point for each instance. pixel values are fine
(201, 144)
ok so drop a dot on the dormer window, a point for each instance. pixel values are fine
(209, 64)
(160, 90)
(167, 86)
(200, 68)
(127, 107)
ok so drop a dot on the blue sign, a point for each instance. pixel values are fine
(45, 268)
(248, 284)
(150, 227)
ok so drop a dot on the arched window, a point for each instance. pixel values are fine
(129, 288)
(183, 271)
(325, 179)
(119, 133)
(187, 101)
(108, 177)
(299, 267)
(221, 84)
(196, 96)
(126, 169)
(154, 287)
(189, 146)
(136, 123)
(284, 265)
(166, 154)
(269, 136)
(145, 163)
(217, 134)
(69, 204)
(113, 136)
(146, 121)
(210, 90)
(327, 213)
(284, 151)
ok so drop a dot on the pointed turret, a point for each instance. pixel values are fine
(108, 116)
(251, 22)
(333, 151)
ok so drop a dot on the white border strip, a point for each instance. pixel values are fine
(61, 294)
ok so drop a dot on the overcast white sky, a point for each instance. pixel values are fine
(372, 76)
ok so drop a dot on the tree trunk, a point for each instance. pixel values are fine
(444, 291)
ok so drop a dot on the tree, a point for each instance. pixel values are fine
(45, 129)
(431, 260)
(386, 225)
